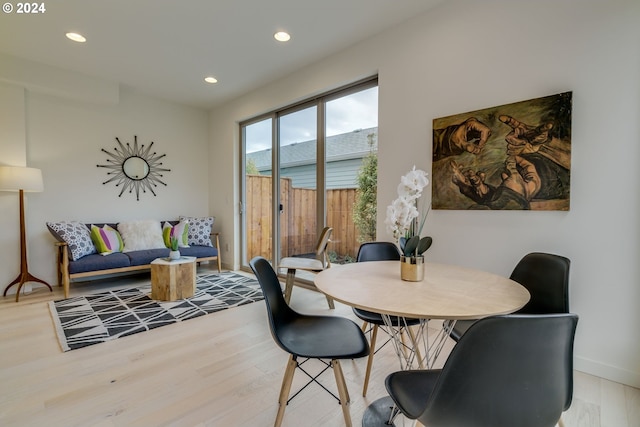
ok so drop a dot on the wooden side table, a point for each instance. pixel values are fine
(173, 280)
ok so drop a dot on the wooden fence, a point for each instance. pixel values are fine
(298, 219)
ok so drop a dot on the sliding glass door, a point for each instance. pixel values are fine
(256, 207)
(297, 169)
(311, 156)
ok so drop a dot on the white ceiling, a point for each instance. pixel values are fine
(165, 48)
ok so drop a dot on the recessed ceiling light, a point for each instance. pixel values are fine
(210, 79)
(76, 37)
(281, 36)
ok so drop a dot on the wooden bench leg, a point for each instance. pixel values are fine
(288, 287)
(330, 302)
(219, 258)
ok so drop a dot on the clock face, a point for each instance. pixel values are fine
(134, 168)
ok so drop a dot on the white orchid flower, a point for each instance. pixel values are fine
(403, 212)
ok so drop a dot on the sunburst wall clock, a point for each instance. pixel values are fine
(134, 168)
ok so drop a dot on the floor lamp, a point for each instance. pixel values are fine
(21, 179)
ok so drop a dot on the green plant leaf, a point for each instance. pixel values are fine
(402, 242)
(174, 244)
(411, 245)
(425, 243)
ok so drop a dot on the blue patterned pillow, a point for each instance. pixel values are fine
(76, 235)
(199, 230)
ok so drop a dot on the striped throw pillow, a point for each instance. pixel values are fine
(107, 240)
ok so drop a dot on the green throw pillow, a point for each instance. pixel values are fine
(179, 231)
(107, 240)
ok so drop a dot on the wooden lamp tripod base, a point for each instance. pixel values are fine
(24, 275)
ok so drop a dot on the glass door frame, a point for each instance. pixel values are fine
(320, 103)
(320, 213)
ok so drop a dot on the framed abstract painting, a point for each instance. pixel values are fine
(515, 156)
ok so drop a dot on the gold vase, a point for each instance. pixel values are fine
(412, 268)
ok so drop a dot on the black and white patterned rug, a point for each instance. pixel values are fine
(91, 319)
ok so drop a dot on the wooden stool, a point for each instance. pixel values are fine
(173, 280)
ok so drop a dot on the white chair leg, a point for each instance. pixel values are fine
(416, 347)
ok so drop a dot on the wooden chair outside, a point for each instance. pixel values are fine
(315, 265)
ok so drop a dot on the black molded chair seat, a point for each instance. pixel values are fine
(546, 277)
(322, 337)
(308, 337)
(460, 328)
(378, 251)
(513, 370)
(376, 318)
(413, 388)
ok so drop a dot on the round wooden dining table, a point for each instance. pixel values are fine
(448, 292)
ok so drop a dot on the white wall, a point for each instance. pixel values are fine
(64, 138)
(468, 55)
(12, 153)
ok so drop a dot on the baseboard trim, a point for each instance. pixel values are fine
(612, 373)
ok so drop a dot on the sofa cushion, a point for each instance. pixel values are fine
(199, 251)
(76, 235)
(199, 230)
(179, 231)
(98, 262)
(140, 235)
(145, 256)
(106, 239)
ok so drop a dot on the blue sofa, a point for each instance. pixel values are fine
(122, 262)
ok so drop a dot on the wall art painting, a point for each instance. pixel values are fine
(515, 156)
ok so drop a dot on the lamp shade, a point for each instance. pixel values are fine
(16, 178)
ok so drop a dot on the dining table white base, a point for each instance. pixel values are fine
(383, 413)
(424, 346)
(421, 352)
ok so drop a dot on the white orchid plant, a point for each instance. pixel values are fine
(403, 216)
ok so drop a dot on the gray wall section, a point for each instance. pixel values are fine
(340, 174)
(344, 159)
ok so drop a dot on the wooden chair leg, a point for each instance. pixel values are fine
(372, 350)
(219, 257)
(330, 302)
(342, 391)
(285, 389)
(288, 287)
(364, 326)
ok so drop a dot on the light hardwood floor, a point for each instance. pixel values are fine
(218, 370)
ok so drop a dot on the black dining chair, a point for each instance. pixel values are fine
(494, 377)
(546, 277)
(325, 338)
(377, 251)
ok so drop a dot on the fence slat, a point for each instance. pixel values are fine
(298, 219)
